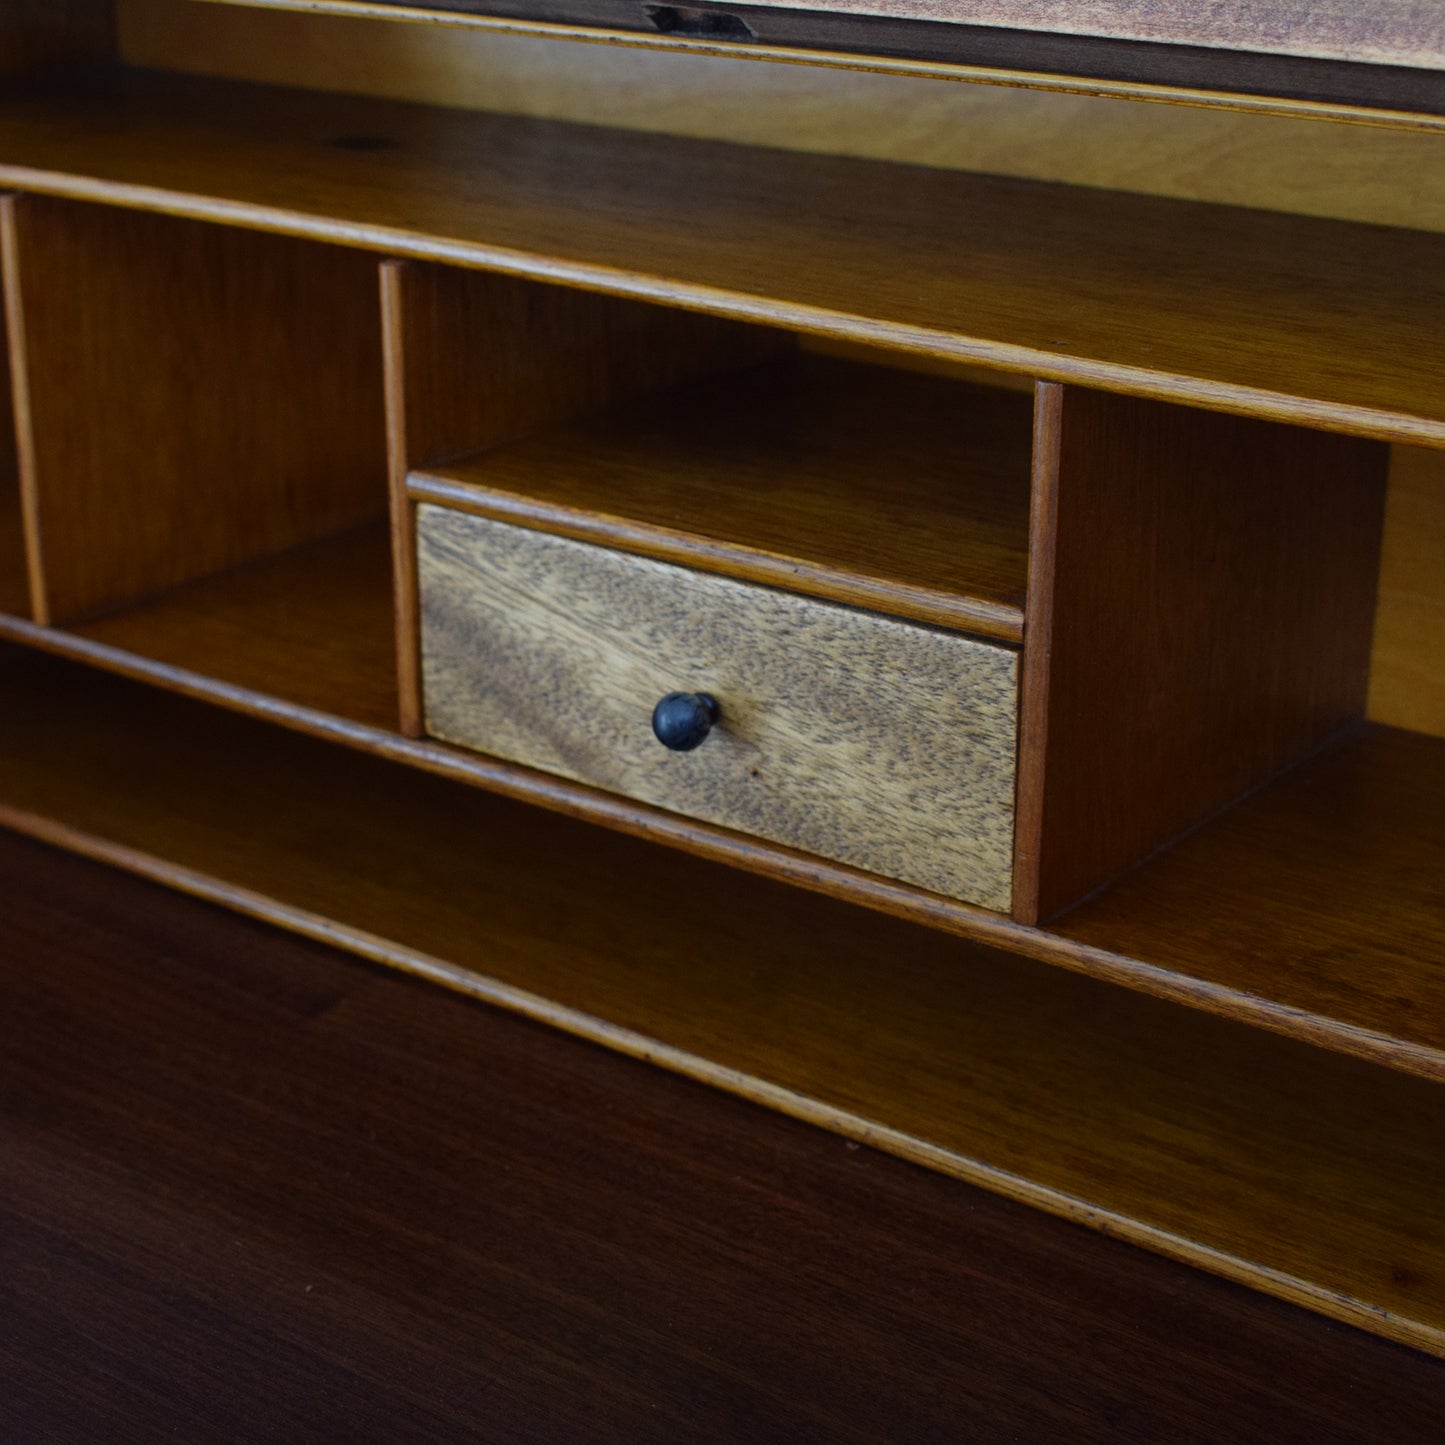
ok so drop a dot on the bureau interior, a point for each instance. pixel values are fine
(727, 446)
(208, 463)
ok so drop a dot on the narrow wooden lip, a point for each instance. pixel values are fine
(996, 621)
(833, 1117)
(396, 242)
(768, 860)
(1151, 92)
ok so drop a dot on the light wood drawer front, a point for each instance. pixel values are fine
(865, 740)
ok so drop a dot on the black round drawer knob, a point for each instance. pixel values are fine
(683, 719)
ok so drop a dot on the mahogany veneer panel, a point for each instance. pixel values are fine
(904, 493)
(1324, 893)
(1295, 318)
(1306, 1174)
(311, 626)
(189, 396)
(810, 1292)
(1201, 598)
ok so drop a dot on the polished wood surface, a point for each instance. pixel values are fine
(14, 571)
(903, 493)
(475, 360)
(1258, 83)
(1200, 612)
(1165, 296)
(1407, 681)
(311, 626)
(844, 734)
(49, 32)
(1305, 1174)
(422, 1219)
(194, 396)
(1379, 904)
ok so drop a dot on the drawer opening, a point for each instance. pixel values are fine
(749, 450)
(209, 468)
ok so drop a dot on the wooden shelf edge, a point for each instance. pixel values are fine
(881, 895)
(1058, 82)
(813, 320)
(731, 559)
(1281, 1284)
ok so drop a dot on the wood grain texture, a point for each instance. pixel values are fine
(1350, 172)
(810, 1292)
(14, 568)
(1258, 83)
(1163, 298)
(1310, 1176)
(1375, 907)
(1407, 674)
(1388, 32)
(865, 740)
(475, 360)
(197, 396)
(52, 32)
(311, 626)
(856, 483)
(1207, 624)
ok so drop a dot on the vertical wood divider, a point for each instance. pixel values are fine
(1038, 643)
(410, 718)
(24, 422)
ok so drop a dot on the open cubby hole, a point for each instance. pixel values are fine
(209, 459)
(855, 474)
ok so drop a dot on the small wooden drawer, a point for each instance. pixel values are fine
(877, 743)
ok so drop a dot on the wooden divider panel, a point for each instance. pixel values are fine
(191, 397)
(1200, 602)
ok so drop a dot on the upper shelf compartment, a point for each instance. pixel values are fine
(1325, 323)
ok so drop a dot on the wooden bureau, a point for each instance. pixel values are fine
(1010, 550)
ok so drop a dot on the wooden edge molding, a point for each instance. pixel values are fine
(1388, 96)
(1038, 641)
(20, 397)
(1128, 380)
(751, 855)
(898, 599)
(579, 1024)
(403, 519)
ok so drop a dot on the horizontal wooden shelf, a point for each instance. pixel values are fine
(1291, 911)
(311, 626)
(886, 489)
(1328, 323)
(1311, 1176)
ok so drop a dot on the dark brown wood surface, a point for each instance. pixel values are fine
(256, 1190)
(1306, 1174)
(192, 396)
(14, 571)
(903, 493)
(1295, 318)
(1200, 613)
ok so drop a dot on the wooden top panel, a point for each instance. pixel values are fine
(1325, 322)
(1391, 32)
(1309, 1175)
(890, 490)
